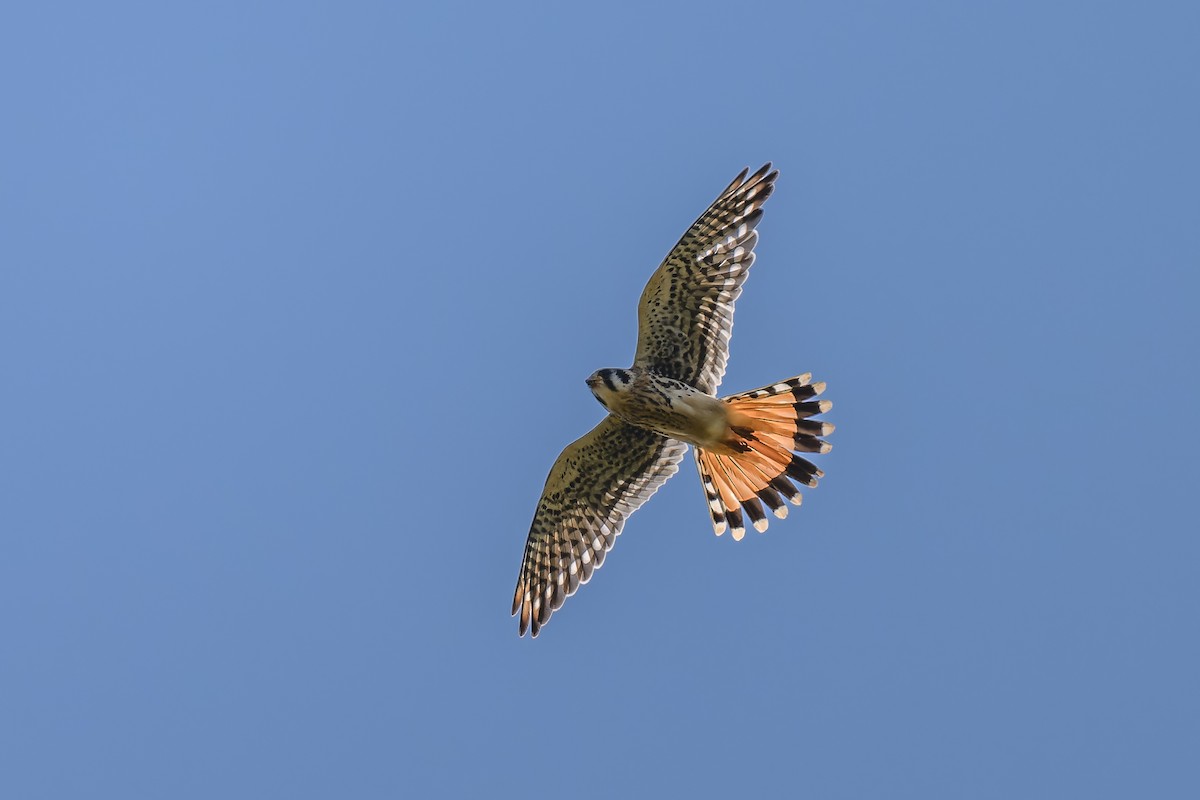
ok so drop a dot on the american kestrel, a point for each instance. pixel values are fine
(747, 446)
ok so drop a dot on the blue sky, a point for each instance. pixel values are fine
(296, 304)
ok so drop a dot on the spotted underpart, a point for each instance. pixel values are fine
(747, 446)
(663, 405)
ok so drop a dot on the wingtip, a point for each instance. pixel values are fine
(766, 174)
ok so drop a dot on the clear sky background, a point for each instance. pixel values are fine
(296, 304)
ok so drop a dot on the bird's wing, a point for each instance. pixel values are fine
(595, 484)
(685, 315)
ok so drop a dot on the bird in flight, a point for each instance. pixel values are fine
(747, 446)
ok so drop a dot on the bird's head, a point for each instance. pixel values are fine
(607, 383)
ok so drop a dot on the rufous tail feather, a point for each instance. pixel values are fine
(759, 458)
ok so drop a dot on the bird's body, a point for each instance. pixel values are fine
(664, 405)
(747, 446)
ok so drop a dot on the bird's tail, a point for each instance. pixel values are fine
(759, 457)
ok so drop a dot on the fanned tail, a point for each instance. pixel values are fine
(759, 458)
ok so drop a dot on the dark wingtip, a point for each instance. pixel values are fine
(765, 174)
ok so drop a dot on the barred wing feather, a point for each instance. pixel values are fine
(593, 487)
(685, 316)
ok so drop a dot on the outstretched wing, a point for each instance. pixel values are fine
(685, 315)
(595, 484)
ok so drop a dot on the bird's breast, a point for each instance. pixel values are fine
(673, 409)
